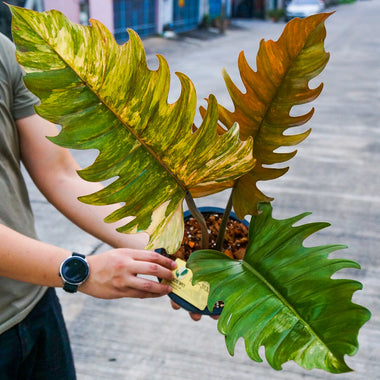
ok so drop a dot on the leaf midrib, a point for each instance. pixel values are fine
(275, 95)
(284, 301)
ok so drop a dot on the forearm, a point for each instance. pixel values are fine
(113, 274)
(53, 169)
(29, 260)
(68, 187)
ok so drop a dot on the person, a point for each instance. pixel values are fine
(34, 343)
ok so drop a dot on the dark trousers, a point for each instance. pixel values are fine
(38, 348)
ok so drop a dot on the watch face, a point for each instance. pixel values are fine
(74, 270)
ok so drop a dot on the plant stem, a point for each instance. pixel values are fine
(223, 224)
(200, 219)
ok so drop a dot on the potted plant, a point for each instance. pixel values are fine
(280, 294)
(275, 14)
(225, 233)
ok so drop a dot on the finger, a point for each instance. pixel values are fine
(174, 305)
(149, 286)
(133, 293)
(155, 257)
(195, 317)
(151, 269)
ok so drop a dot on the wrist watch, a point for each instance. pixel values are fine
(74, 271)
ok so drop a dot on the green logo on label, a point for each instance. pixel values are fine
(181, 272)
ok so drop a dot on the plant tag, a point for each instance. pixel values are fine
(182, 285)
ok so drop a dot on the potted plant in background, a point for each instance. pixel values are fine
(105, 97)
(275, 14)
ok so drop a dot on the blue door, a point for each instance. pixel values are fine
(140, 15)
(185, 15)
(215, 8)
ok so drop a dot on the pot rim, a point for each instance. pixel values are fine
(177, 299)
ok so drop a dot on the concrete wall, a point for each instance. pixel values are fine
(70, 8)
(102, 10)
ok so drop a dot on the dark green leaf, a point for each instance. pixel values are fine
(281, 296)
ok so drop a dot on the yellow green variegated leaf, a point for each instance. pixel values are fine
(280, 82)
(106, 98)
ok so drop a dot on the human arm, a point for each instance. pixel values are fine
(54, 171)
(113, 274)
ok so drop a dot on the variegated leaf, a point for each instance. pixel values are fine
(281, 81)
(106, 98)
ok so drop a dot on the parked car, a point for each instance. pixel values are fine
(303, 8)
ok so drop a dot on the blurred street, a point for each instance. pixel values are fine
(335, 174)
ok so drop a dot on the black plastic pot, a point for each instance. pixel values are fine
(180, 301)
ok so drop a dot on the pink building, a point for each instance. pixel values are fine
(80, 11)
(146, 17)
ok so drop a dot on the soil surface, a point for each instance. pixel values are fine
(235, 241)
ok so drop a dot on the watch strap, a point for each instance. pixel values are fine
(79, 254)
(70, 288)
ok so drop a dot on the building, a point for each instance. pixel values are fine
(146, 17)
(250, 8)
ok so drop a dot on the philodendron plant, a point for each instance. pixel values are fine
(105, 97)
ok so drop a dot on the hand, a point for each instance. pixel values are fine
(114, 274)
(194, 316)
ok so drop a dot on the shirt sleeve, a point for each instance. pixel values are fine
(23, 100)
